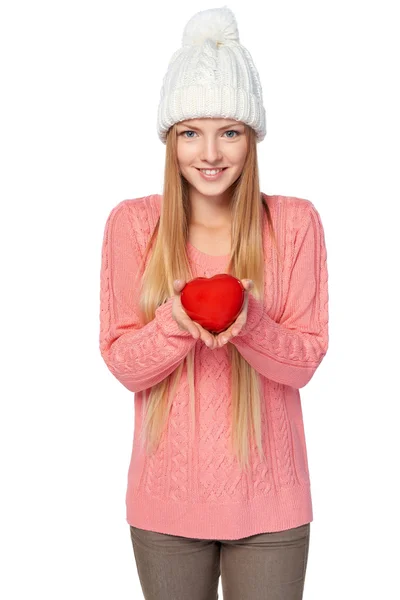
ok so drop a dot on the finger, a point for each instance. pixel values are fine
(190, 326)
(206, 336)
(224, 339)
(212, 342)
(229, 333)
(248, 284)
(179, 284)
(193, 329)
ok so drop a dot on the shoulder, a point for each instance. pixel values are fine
(289, 203)
(138, 216)
(290, 212)
(142, 206)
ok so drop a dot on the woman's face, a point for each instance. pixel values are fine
(210, 143)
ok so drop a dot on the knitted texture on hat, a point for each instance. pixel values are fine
(211, 75)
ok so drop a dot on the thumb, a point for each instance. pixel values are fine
(248, 284)
(178, 285)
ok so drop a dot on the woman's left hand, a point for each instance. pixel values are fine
(224, 337)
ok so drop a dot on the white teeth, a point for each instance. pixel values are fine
(211, 172)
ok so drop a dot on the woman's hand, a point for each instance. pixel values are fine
(185, 322)
(225, 336)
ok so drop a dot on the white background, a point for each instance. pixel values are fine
(80, 88)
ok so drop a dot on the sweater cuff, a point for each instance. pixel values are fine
(167, 322)
(254, 313)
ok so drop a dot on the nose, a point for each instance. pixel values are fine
(210, 151)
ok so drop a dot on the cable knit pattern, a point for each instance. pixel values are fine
(212, 74)
(290, 351)
(193, 486)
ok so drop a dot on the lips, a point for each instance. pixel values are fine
(215, 177)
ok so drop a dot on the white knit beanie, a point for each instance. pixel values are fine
(211, 75)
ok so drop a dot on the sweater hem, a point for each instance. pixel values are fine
(290, 507)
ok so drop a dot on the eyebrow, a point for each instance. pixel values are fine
(235, 123)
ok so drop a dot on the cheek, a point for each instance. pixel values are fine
(185, 157)
(238, 154)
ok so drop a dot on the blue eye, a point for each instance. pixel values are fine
(229, 131)
(233, 131)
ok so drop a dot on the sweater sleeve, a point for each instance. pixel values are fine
(290, 351)
(138, 355)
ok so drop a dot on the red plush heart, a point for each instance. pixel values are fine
(213, 302)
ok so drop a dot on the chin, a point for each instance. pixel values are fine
(210, 189)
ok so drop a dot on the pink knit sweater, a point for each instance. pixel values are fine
(193, 487)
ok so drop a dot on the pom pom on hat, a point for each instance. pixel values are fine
(217, 24)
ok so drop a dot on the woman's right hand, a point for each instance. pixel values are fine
(185, 322)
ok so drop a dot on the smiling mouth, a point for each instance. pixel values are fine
(215, 169)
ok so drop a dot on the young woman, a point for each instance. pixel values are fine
(218, 483)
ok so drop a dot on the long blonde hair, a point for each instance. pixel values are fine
(169, 261)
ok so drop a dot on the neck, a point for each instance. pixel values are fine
(210, 211)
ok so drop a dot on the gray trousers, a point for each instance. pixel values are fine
(266, 566)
